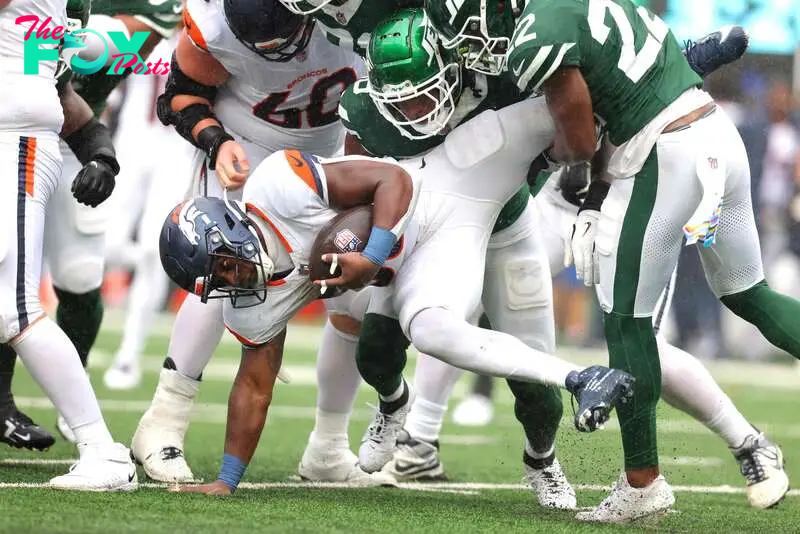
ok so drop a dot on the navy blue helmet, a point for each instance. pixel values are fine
(210, 248)
(267, 28)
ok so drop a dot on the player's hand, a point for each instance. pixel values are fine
(574, 183)
(579, 247)
(357, 271)
(217, 488)
(232, 166)
(94, 183)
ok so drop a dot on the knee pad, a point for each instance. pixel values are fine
(79, 275)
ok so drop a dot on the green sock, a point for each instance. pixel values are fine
(79, 316)
(632, 347)
(381, 353)
(538, 408)
(8, 359)
(775, 315)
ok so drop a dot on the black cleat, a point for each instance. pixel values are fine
(19, 431)
(598, 389)
(716, 49)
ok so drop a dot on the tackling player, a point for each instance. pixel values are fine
(678, 167)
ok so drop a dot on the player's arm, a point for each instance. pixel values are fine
(248, 404)
(353, 147)
(390, 189)
(91, 143)
(570, 105)
(187, 104)
(133, 25)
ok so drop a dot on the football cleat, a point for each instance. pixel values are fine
(20, 432)
(100, 468)
(333, 461)
(548, 481)
(122, 376)
(158, 441)
(761, 463)
(475, 410)
(716, 49)
(597, 389)
(415, 459)
(380, 439)
(64, 429)
(628, 504)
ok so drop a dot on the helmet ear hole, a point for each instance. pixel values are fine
(230, 222)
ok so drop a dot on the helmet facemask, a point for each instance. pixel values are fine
(296, 6)
(276, 35)
(436, 84)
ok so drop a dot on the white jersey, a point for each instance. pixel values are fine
(29, 103)
(273, 103)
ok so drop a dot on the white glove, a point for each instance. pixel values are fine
(579, 247)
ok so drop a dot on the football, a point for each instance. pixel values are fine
(347, 232)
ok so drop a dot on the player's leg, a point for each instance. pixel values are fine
(43, 347)
(74, 245)
(327, 457)
(518, 299)
(735, 274)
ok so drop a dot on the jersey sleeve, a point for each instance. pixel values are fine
(203, 24)
(162, 16)
(546, 38)
(377, 135)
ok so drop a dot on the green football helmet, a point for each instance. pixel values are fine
(414, 82)
(480, 29)
(78, 12)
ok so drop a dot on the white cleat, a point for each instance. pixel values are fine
(100, 468)
(122, 376)
(549, 483)
(64, 429)
(761, 463)
(158, 441)
(330, 462)
(379, 441)
(415, 459)
(475, 410)
(628, 504)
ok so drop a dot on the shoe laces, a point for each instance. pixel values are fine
(171, 453)
(751, 461)
(379, 422)
(20, 417)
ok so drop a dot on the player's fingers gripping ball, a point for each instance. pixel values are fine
(339, 258)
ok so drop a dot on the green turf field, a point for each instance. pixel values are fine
(484, 465)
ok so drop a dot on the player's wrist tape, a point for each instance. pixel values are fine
(598, 190)
(92, 141)
(231, 471)
(210, 139)
(379, 246)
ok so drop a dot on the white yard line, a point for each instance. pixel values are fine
(470, 487)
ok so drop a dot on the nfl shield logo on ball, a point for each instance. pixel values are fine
(346, 241)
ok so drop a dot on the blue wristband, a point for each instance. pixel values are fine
(231, 471)
(380, 244)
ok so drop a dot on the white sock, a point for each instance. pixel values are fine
(196, 333)
(330, 428)
(440, 333)
(53, 362)
(146, 297)
(688, 386)
(337, 375)
(396, 394)
(538, 455)
(433, 383)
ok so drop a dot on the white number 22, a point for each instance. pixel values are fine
(633, 64)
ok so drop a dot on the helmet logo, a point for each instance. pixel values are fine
(187, 221)
(453, 6)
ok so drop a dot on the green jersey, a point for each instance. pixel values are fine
(160, 15)
(381, 138)
(349, 24)
(629, 58)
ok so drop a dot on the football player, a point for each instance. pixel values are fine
(386, 128)
(243, 85)
(295, 195)
(31, 119)
(74, 244)
(676, 167)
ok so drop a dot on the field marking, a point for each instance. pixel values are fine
(448, 487)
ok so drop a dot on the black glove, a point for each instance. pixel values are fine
(94, 183)
(574, 183)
